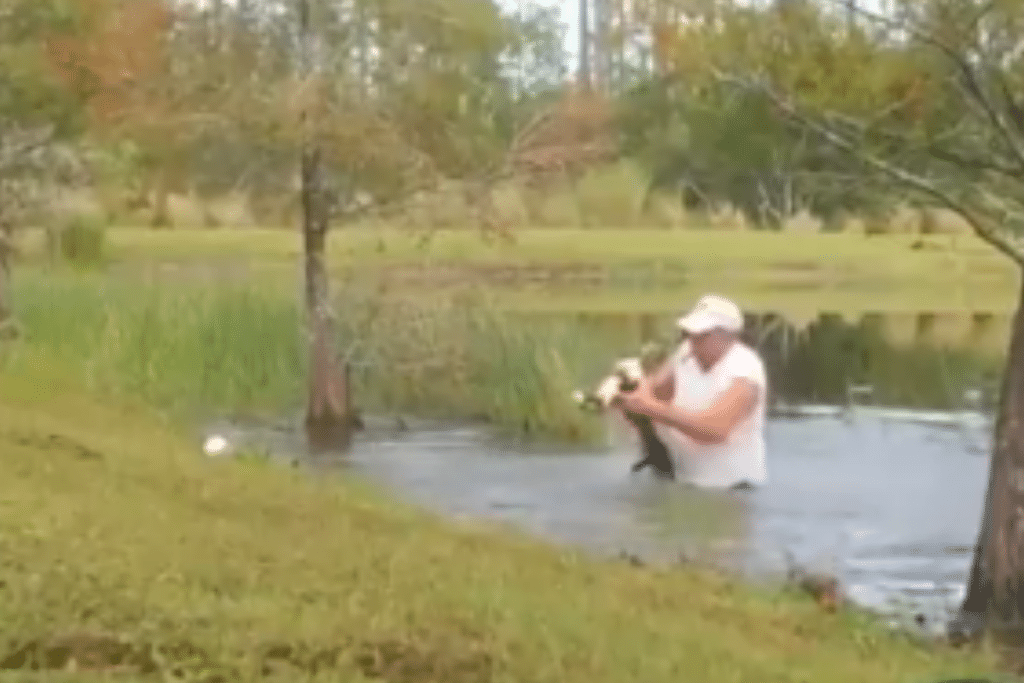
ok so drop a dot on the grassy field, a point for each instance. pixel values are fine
(794, 273)
(113, 527)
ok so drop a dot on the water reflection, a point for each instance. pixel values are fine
(934, 367)
(923, 359)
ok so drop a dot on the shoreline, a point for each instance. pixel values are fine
(169, 547)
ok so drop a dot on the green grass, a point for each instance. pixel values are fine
(231, 571)
(740, 249)
(203, 340)
(196, 351)
(793, 273)
(187, 350)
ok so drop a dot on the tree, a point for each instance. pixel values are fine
(37, 112)
(363, 102)
(927, 97)
(152, 77)
(536, 57)
(423, 111)
(720, 146)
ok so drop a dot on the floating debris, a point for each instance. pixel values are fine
(974, 397)
(964, 419)
(215, 445)
(861, 390)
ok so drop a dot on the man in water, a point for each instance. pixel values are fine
(707, 402)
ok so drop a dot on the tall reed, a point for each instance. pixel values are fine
(198, 350)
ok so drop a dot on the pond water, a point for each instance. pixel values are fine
(888, 500)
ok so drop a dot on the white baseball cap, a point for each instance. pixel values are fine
(712, 312)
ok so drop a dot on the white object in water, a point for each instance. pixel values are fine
(974, 397)
(215, 445)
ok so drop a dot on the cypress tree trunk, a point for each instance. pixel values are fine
(994, 594)
(328, 418)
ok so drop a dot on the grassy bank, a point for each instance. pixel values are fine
(195, 351)
(649, 269)
(759, 249)
(240, 571)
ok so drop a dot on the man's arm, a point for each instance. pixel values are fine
(710, 426)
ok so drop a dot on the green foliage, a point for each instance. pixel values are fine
(194, 351)
(31, 91)
(80, 240)
(713, 121)
(441, 103)
(923, 99)
(727, 147)
(188, 351)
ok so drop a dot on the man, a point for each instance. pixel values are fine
(707, 402)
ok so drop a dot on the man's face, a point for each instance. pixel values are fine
(708, 347)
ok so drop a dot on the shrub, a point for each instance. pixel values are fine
(79, 240)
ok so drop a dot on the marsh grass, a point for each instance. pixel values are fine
(187, 350)
(196, 351)
(78, 240)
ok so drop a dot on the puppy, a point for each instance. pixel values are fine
(626, 377)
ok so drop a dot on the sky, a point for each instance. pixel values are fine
(569, 10)
(570, 16)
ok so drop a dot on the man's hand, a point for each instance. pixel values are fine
(641, 400)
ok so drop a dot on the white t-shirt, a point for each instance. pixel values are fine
(741, 457)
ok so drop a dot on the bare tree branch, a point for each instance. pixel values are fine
(970, 84)
(934, 147)
(1012, 103)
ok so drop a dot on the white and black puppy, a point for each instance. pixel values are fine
(625, 377)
